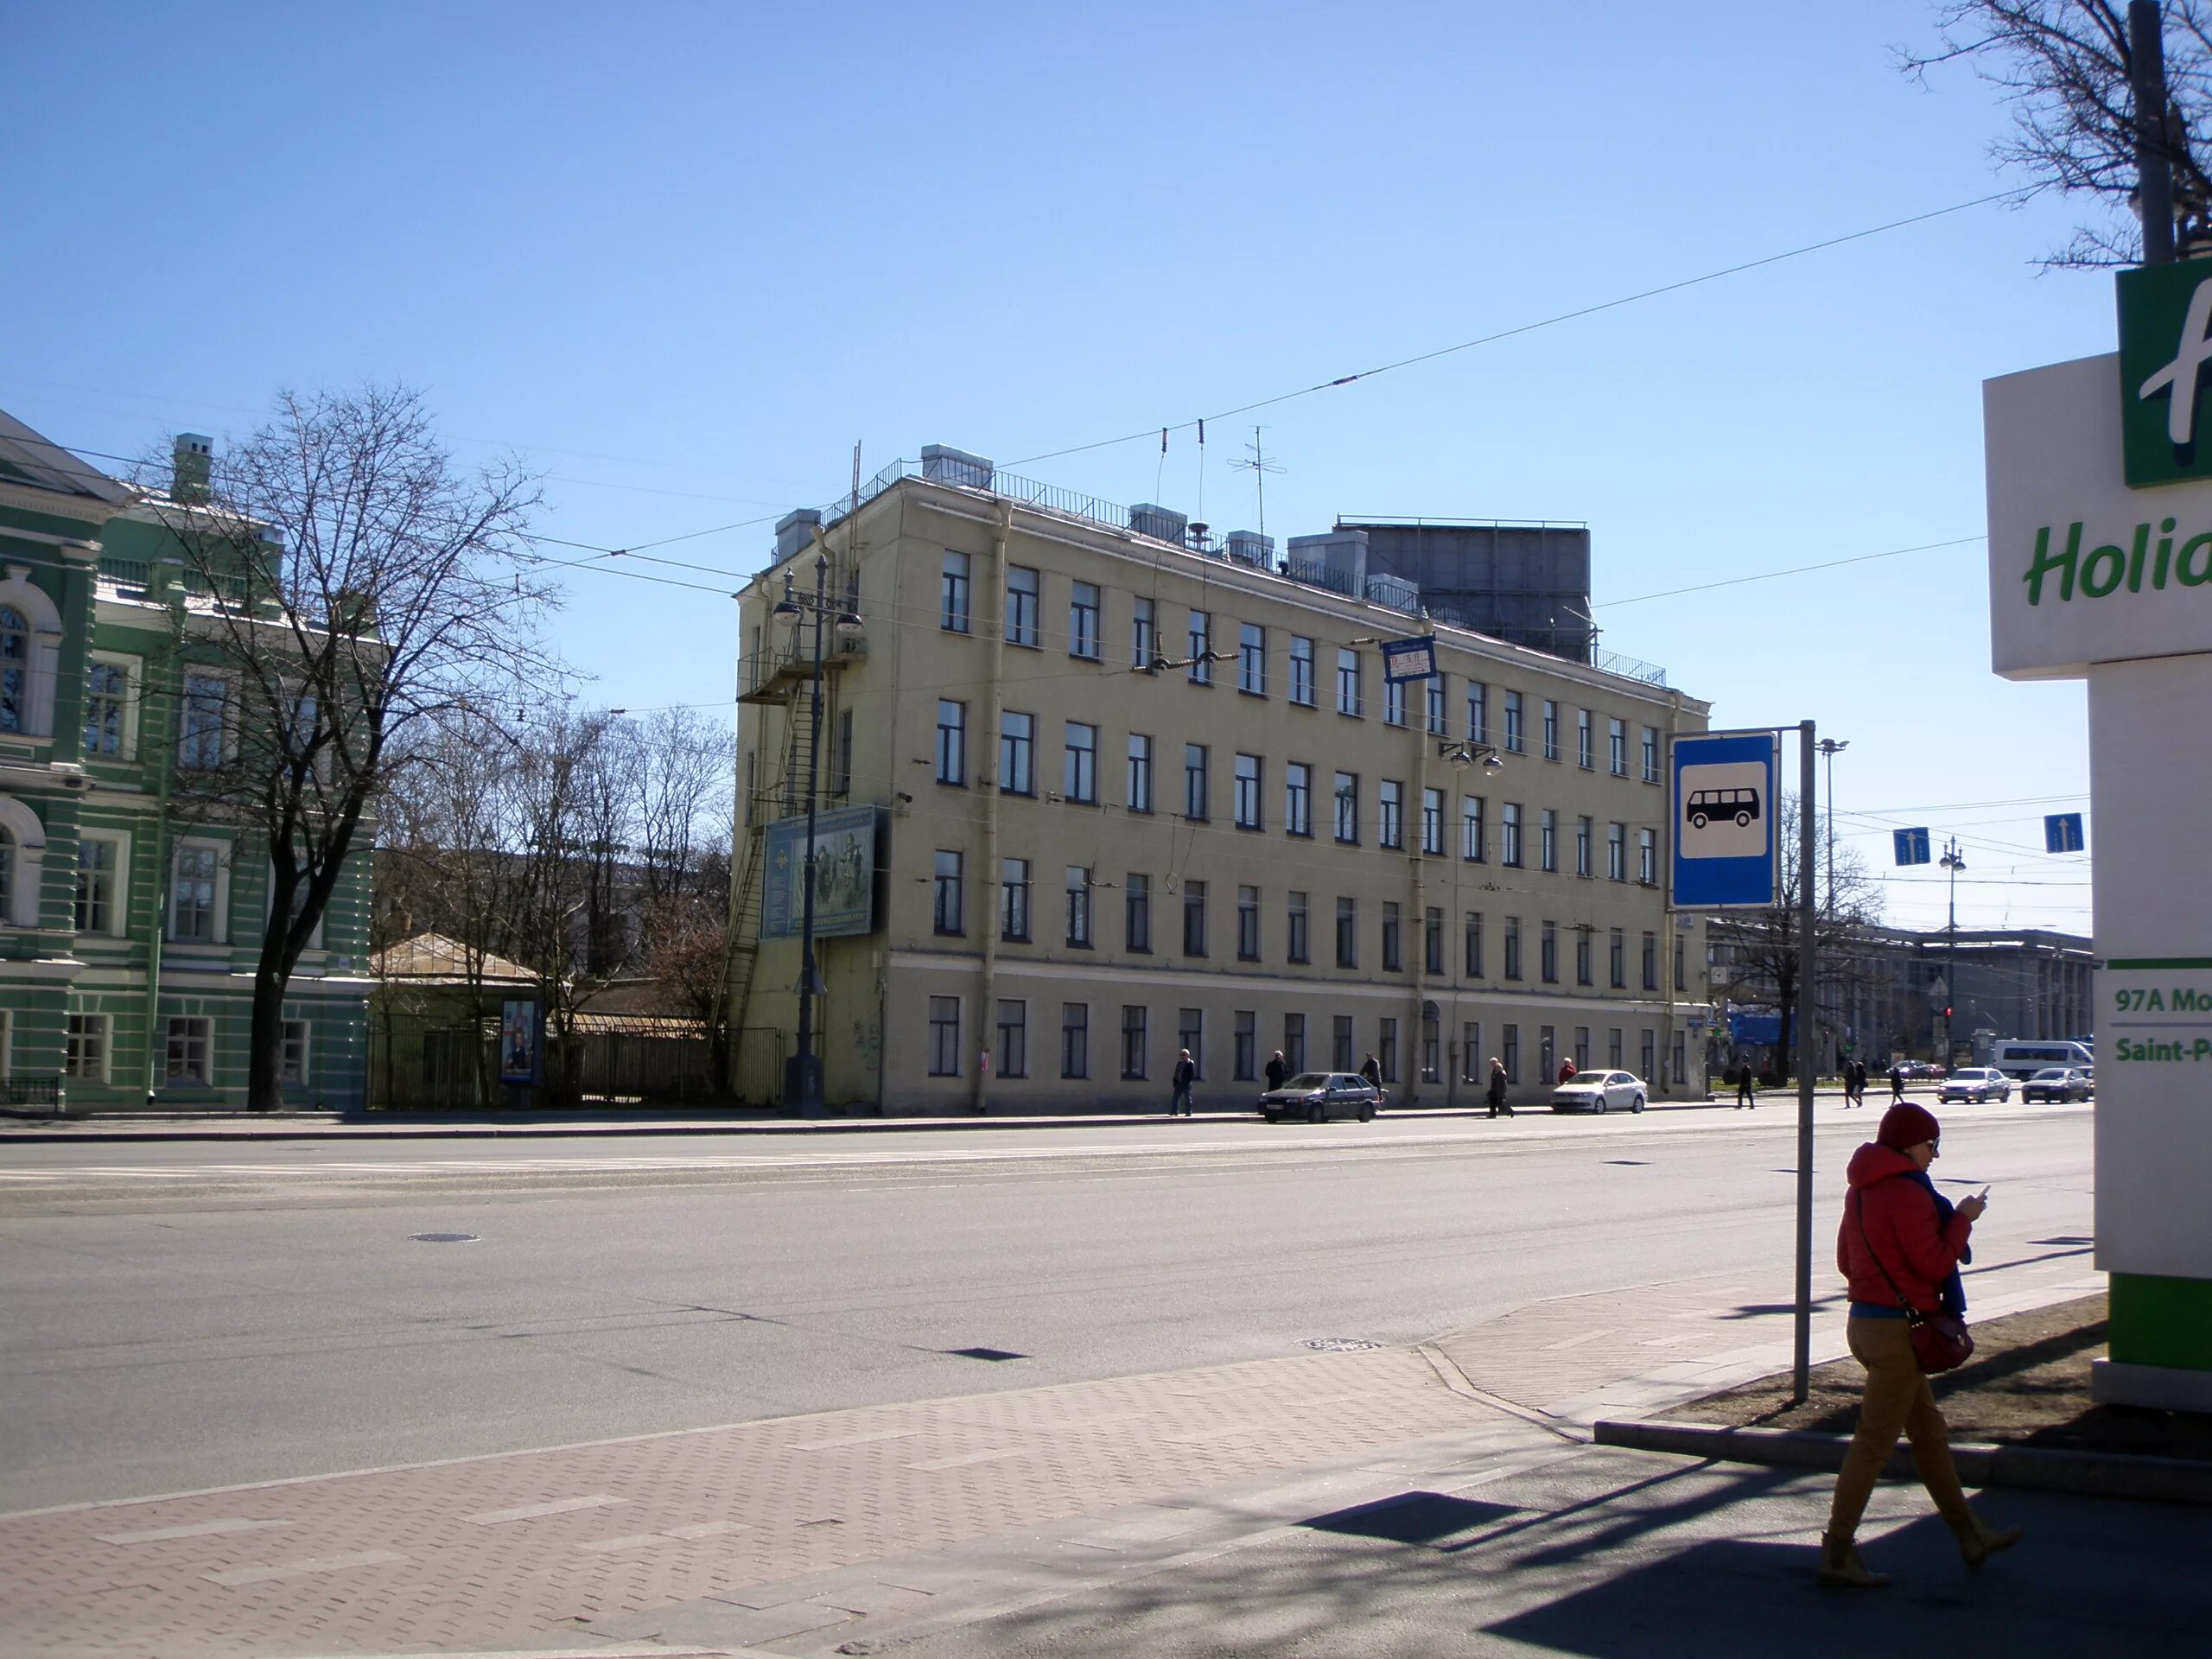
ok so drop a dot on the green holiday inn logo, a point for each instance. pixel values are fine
(2166, 372)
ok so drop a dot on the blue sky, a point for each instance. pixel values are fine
(683, 261)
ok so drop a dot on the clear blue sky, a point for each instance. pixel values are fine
(680, 257)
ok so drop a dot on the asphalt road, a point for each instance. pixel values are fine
(186, 1314)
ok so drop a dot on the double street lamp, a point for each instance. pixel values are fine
(1952, 861)
(848, 624)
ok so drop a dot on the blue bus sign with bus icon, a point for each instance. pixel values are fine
(1722, 831)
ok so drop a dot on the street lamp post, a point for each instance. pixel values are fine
(1954, 862)
(1828, 748)
(793, 605)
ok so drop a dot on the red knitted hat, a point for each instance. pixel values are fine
(1907, 1125)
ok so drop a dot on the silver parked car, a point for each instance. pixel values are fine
(2058, 1082)
(1318, 1096)
(1976, 1084)
(1599, 1091)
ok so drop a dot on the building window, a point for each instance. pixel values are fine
(1387, 1032)
(1431, 822)
(1510, 1047)
(1477, 712)
(1616, 852)
(951, 742)
(1393, 958)
(1246, 1056)
(188, 1058)
(1298, 799)
(1680, 982)
(1021, 597)
(1194, 782)
(1471, 1066)
(945, 1036)
(1301, 672)
(1140, 773)
(1194, 918)
(1647, 1044)
(1585, 741)
(1647, 857)
(1547, 840)
(1248, 791)
(1390, 827)
(1252, 659)
(1201, 651)
(1393, 702)
(1473, 842)
(946, 910)
(1650, 962)
(1582, 1048)
(1247, 924)
(1616, 961)
(107, 692)
(1474, 944)
(193, 914)
(1347, 681)
(1013, 899)
(1677, 1061)
(1617, 747)
(1431, 941)
(292, 1061)
(1509, 829)
(1075, 1039)
(1582, 953)
(1551, 729)
(1017, 753)
(1298, 946)
(1079, 906)
(1613, 1047)
(1341, 1054)
(96, 881)
(1347, 932)
(1190, 1033)
(1513, 947)
(1136, 914)
(1430, 1042)
(1293, 1043)
(1013, 1057)
(1079, 777)
(204, 723)
(15, 669)
(1547, 952)
(1132, 1042)
(1547, 1054)
(1144, 638)
(85, 1054)
(1082, 620)
(1348, 807)
(1513, 735)
(1649, 743)
(840, 755)
(952, 606)
(1582, 836)
(1432, 696)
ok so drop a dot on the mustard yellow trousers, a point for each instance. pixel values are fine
(1897, 1399)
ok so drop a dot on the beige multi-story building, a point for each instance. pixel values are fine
(1126, 794)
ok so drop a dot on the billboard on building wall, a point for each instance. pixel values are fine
(844, 874)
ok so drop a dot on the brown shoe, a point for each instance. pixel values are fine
(1841, 1569)
(1978, 1542)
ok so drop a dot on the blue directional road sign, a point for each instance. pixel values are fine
(2062, 832)
(1912, 845)
(1723, 837)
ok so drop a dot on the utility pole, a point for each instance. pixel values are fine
(1828, 748)
(1807, 961)
(2146, 58)
(1954, 861)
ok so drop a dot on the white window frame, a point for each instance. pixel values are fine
(220, 925)
(229, 746)
(24, 844)
(41, 649)
(302, 1076)
(269, 908)
(133, 670)
(118, 904)
(103, 1031)
(206, 1078)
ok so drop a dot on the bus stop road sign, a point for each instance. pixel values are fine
(1724, 805)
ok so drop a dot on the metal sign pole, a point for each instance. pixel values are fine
(1800, 1373)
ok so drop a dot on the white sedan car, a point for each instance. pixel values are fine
(1599, 1091)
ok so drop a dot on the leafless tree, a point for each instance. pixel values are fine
(358, 584)
(2065, 67)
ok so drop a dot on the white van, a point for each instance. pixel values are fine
(2022, 1061)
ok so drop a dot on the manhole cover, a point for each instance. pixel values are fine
(443, 1238)
(1340, 1345)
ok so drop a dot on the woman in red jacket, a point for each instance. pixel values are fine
(1897, 1227)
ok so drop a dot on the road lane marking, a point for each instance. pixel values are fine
(1574, 1341)
(238, 1575)
(532, 1511)
(965, 1459)
(197, 1530)
(853, 1439)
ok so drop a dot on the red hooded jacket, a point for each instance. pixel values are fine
(1900, 1220)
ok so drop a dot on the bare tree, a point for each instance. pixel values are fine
(358, 584)
(2065, 66)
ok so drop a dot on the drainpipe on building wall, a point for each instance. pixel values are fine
(1001, 532)
(172, 587)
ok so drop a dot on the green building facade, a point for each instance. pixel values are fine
(131, 907)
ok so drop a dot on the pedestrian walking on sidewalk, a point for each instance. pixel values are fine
(1372, 1071)
(1854, 1082)
(1900, 1246)
(1567, 1069)
(1186, 1073)
(1496, 1090)
(1277, 1071)
(1897, 1083)
(1747, 1096)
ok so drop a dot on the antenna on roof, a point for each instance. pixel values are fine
(1259, 467)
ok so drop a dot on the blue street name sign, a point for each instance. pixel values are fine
(1724, 838)
(1912, 845)
(1409, 659)
(2062, 832)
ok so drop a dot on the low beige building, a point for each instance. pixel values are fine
(1125, 794)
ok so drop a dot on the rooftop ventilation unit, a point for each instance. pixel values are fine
(1249, 547)
(941, 464)
(1395, 592)
(1163, 523)
(795, 530)
(1337, 561)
